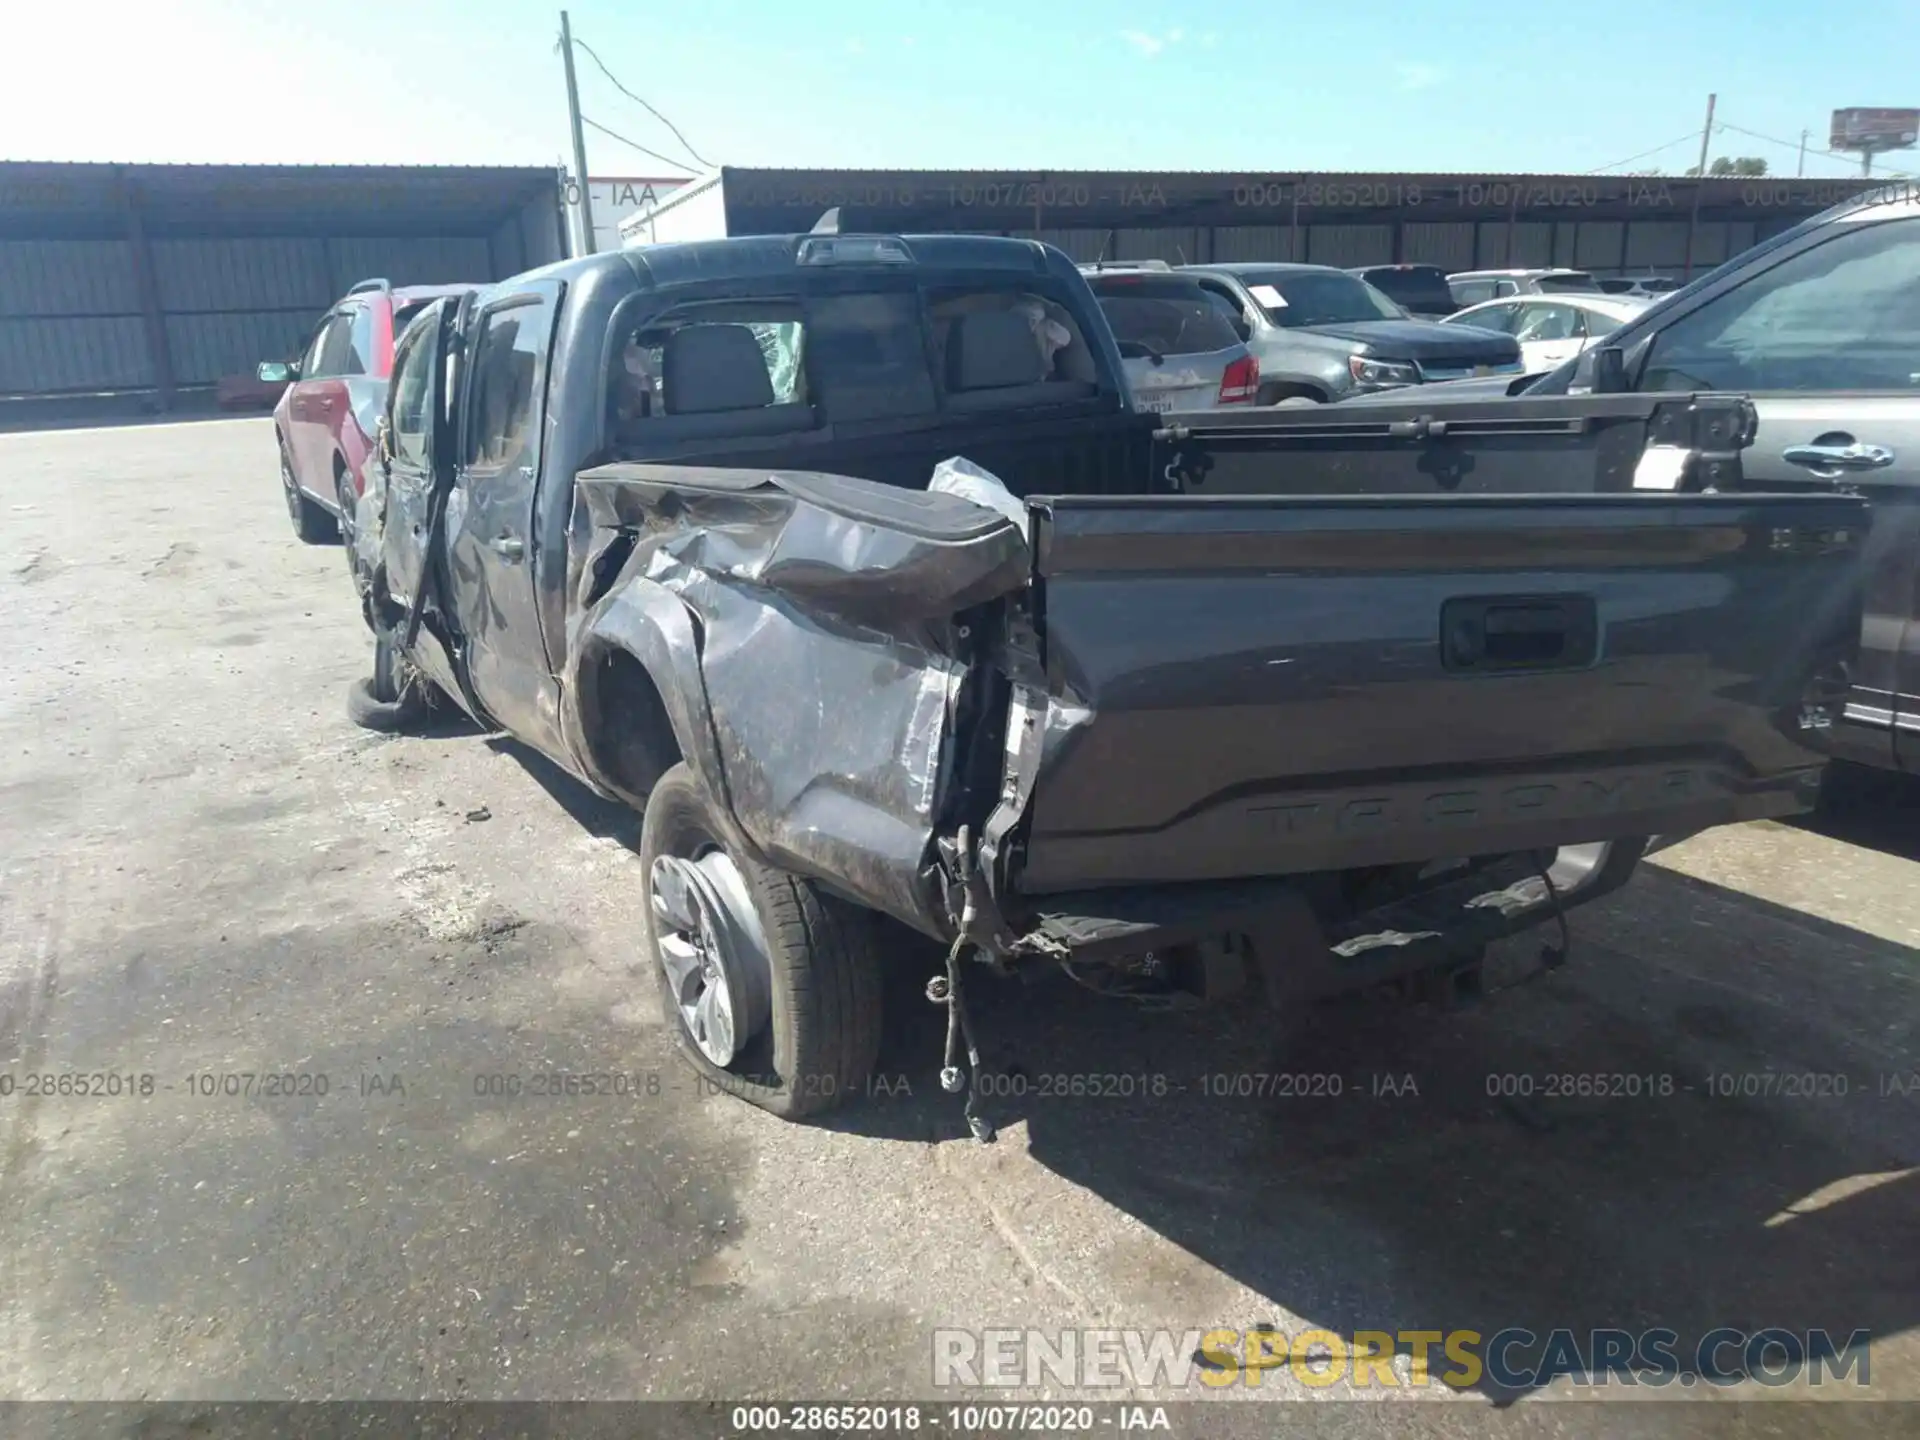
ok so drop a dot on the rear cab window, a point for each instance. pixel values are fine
(847, 351)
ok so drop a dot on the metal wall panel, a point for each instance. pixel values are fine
(1448, 245)
(1253, 242)
(1176, 244)
(1532, 245)
(1491, 253)
(1346, 245)
(1597, 244)
(67, 277)
(425, 260)
(1709, 245)
(249, 274)
(1081, 246)
(205, 347)
(1656, 243)
(39, 356)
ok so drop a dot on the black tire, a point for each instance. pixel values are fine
(396, 698)
(824, 1035)
(311, 522)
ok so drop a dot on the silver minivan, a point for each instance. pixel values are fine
(1177, 343)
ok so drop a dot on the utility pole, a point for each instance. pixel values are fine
(1801, 168)
(1706, 130)
(579, 139)
(1699, 185)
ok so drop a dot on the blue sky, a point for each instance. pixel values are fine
(1130, 84)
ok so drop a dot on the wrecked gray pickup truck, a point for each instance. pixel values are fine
(1178, 705)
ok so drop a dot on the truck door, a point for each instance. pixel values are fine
(1825, 341)
(415, 407)
(490, 514)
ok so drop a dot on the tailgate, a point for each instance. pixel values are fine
(1266, 686)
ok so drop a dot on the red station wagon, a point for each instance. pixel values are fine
(336, 388)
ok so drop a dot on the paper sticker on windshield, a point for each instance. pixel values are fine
(1268, 296)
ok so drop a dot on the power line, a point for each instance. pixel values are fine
(1677, 140)
(594, 56)
(1795, 145)
(663, 159)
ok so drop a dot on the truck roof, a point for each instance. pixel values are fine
(746, 256)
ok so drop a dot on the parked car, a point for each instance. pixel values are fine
(1321, 334)
(673, 528)
(1418, 289)
(1177, 342)
(1821, 325)
(1471, 287)
(1554, 328)
(1649, 286)
(335, 387)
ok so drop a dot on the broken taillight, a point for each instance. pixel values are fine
(1241, 383)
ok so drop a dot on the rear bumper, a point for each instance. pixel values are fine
(1400, 821)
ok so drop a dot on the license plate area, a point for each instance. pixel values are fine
(1505, 633)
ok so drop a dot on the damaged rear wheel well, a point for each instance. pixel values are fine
(633, 744)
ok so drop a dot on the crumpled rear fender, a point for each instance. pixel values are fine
(805, 635)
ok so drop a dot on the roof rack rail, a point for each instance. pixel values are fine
(375, 284)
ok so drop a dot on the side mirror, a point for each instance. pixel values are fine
(1609, 370)
(275, 372)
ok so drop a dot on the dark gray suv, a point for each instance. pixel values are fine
(1321, 334)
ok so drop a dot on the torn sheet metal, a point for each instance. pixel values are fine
(830, 658)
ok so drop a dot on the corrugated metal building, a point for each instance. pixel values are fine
(163, 278)
(1609, 224)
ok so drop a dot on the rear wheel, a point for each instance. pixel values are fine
(772, 988)
(310, 520)
(396, 696)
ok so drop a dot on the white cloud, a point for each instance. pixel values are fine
(1210, 39)
(1415, 76)
(1147, 45)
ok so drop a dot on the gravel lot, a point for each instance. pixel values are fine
(205, 870)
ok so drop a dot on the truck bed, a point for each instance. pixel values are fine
(1176, 689)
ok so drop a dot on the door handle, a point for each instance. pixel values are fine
(509, 547)
(1838, 457)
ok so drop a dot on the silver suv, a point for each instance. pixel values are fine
(1177, 342)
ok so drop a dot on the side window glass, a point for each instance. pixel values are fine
(313, 362)
(1494, 317)
(359, 358)
(1230, 306)
(1843, 315)
(1545, 322)
(333, 359)
(505, 380)
(412, 387)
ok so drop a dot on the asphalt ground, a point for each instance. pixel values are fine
(206, 872)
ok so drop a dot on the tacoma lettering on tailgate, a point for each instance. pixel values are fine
(1419, 805)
